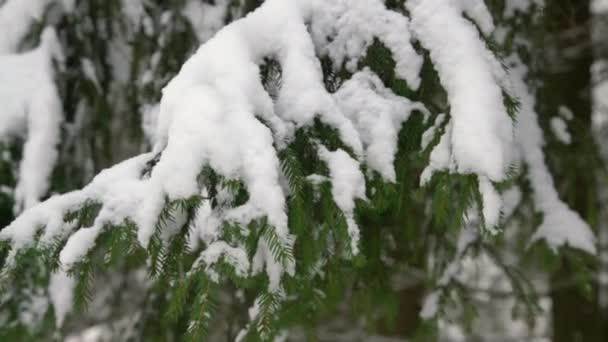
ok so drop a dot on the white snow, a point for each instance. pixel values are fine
(61, 287)
(16, 18)
(264, 261)
(441, 157)
(216, 113)
(430, 306)
(344, 29)
(561, 225)
(560, 130)
(479, 13)
(347, 184)
(511, 199)
(234, 256)
(31, 109)
(429, 134)
(377, 114)
(79, 244)
(491, 203)
(119, 188)
(210, 115)
(481, 137)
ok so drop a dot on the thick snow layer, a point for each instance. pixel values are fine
(478, 12)
(344, 29)
(216, 113)
(61, 287)
(16, 17)
(121, 191)
(561, 225)
(31, 109)
(491, 204)
(377, 114)
(347, 185)
(79, 244)
(481, 137)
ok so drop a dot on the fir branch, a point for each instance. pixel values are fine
(268, 305)
(203, 308)
(281, 251)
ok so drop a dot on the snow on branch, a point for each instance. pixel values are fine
(344, 29)
(216, 114)
(561, 225)
(378, 115)
(217, 120)
(479, 136)
(31, 109)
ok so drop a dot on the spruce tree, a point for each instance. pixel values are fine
(292, 169)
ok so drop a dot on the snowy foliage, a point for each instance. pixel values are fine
(275, 113)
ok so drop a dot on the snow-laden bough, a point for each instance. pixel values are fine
(216, 113)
